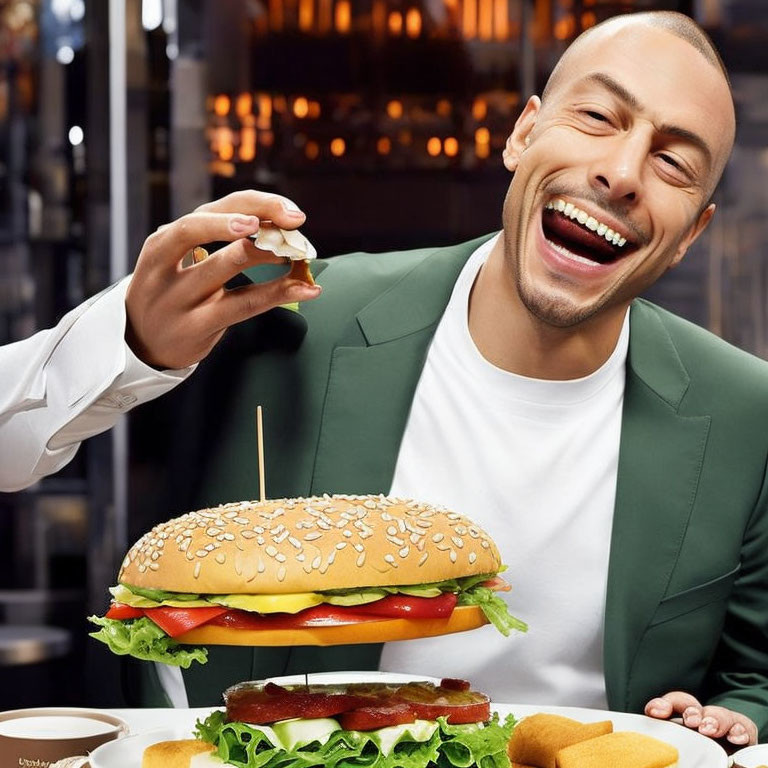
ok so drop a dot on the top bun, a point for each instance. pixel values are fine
(305, 545)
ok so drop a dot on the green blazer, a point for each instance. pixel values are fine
(687, 599)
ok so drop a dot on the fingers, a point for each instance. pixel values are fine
(713, 721)
(281, 210)
(243, 303)
(222, 265)
(169, 244)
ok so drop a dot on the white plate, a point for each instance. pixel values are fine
(696, 751)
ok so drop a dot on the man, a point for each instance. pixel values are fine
(134, 341)
(616, 453)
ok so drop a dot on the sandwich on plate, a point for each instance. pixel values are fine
(376, 725)
(325, 570)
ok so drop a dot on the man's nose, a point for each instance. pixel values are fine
(617, 173)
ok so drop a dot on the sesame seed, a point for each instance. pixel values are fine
(294, 542)
(247, 534)
(229, 536)
(261, 567)
(316, 562)
(457, 541)
(260, 541)
(472, 557)
(394, 540)
(201, 553)
(390, 559)
(281, 573)
(280, 557)
(423, 559)
(154, 566)
(391, 530)
(196, 572)
(360, 560)
(271, 551)
(437, 537)
(211, 547)
(258, 528)
(184, 546)
(312, 536)
(341, 545)
(301, 557)
(359, 547)
(347, 534)
(484, 544)
(241, 520)
(453, 556)
(221, 558)
(404, 552)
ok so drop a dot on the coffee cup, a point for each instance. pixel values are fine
(37, 738)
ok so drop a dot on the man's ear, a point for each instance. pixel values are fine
(693, 233)
(520, 137)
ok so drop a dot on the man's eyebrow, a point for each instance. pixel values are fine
(616, 88)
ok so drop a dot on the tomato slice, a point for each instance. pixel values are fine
(381, 715)
(497, 584)
(122, 612)
(316, 616)
(258, 704)
(458, 706)
(177, 621)
(405, 606)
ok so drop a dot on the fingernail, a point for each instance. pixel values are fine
(292, 208)
(708, 725)
(243, 225)
(738, 729)
(739, 738)
(657, 712)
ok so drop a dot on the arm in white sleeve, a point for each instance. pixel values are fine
(67, 383)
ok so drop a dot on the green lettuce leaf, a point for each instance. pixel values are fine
(143, 639)
(494, 608)
(416, 746)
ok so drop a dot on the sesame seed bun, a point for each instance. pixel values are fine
(282, 546)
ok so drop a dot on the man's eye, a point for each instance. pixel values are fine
(596, 115)
(671, 161)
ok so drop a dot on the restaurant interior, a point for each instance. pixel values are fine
(384, 119)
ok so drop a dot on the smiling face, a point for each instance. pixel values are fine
(613, 172)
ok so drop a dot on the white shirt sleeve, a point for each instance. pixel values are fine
(67, 383)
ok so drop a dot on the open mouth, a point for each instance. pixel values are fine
(581, 236)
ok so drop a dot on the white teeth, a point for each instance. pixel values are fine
(590, 222)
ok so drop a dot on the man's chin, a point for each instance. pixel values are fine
(556, 311)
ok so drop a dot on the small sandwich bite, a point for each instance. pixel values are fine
(185, 753)
(288, 244)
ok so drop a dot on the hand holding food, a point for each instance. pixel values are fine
(715, 722)
(318, 571)
(177, 314)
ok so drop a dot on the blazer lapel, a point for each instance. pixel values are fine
(372, 381)
(660, 461)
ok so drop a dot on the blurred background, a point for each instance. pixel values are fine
(383, 119)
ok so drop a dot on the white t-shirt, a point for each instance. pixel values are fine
(534, 462)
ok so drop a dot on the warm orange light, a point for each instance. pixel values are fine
(343, 17)
(312, 150)
(338, 147)
(482, 136)
(279, 104)
(379, 17)
(479, 109)
(264, 120)
(482, 150)
(301, 107)
(314, 109)
(221, 105)
(413, 22)
(485, 20)
(247, 144)
(384, 145)
(267, 138)
(443, 108)
(244, 105)
(324, 17)
(501, 19)
(565, 28)
(395, 109)
(434, 145)
(226, 150)
(276, 14)
(588, 19)
(405, 137)
(451, 147)
(395, 23)
(469, 20)
(306, 15)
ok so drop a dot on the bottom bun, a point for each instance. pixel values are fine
(174, 754)
(463, 618)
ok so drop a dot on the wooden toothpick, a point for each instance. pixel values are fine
(260, 439)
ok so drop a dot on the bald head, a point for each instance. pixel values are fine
(589, 51)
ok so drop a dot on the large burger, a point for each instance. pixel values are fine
(376, 725)
(317, 571)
